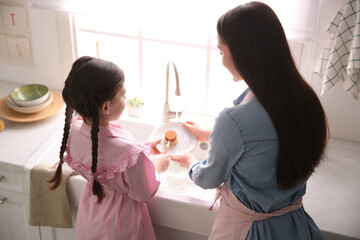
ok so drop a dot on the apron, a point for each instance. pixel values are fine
(233, 219)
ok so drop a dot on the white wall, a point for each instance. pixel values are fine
(45, 51)
(342, 110)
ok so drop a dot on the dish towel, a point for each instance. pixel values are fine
(48, 207)
(340, 58)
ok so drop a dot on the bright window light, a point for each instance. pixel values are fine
(144, 35)
(143, 51)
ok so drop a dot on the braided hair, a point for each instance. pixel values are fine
(90, 83)
(56, 179)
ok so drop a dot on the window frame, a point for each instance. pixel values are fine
(68, 46)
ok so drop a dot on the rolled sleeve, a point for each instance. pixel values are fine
(226, 149)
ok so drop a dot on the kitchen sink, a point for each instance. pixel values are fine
(175, 180)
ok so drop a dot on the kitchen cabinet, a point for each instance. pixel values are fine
(14, 195)
(14, 208)
(14, 217)
(21, 145)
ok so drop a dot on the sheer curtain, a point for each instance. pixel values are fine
(297, 16)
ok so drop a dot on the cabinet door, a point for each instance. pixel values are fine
(14, 217)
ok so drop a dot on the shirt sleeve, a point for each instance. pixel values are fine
(141, 179)
(226, 149)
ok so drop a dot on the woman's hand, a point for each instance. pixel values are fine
(202, 134)
(185, 160)
(161, 162)
(153, 148)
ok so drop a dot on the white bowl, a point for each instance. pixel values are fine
(30, 95)
(29, 110)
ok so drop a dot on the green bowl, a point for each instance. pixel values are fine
(30, 95)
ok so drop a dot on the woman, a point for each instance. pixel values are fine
(264, 149)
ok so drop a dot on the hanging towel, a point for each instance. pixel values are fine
(49, 207)
(340, 58)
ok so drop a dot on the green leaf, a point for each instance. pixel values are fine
(135, 102)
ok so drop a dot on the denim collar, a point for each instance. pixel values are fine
(241, 97)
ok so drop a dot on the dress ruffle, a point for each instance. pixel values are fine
(127, 161)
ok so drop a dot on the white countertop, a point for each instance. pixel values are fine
(20, 142)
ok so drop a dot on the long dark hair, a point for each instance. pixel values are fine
(262, 56)
(90, 83)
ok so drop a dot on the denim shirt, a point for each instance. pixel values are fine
(243, 152)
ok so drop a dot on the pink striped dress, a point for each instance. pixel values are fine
(129, 179)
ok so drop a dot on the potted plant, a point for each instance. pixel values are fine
(135, 106)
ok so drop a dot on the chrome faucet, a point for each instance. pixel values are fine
(167, 115)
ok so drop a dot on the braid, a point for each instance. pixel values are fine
(89, 84)
(94, 138)
(56, 179)
(97, 188)
(68, 116)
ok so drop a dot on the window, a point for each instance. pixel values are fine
(141, 36)
(143, 52)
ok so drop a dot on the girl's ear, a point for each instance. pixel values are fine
(105, 108)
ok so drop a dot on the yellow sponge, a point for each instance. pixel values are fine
(171, 136)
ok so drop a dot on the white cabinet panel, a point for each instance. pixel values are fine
(14, 217)
(12, 181)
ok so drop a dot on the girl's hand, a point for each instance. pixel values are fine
(161, 162)
(153, 149)
(202, 134)
(184, 160)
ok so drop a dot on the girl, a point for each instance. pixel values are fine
(264, 149)
(120, 175)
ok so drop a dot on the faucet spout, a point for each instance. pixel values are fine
(167, 115)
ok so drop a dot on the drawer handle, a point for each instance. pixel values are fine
(1, 178)
(2, 200)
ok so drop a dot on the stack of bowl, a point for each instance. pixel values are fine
(30, 98)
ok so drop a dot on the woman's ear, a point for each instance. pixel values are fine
(105, 108)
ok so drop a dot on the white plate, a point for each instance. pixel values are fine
(187, 141)
(29, 110)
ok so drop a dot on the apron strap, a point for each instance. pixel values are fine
(217, 196)
(234, 219)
